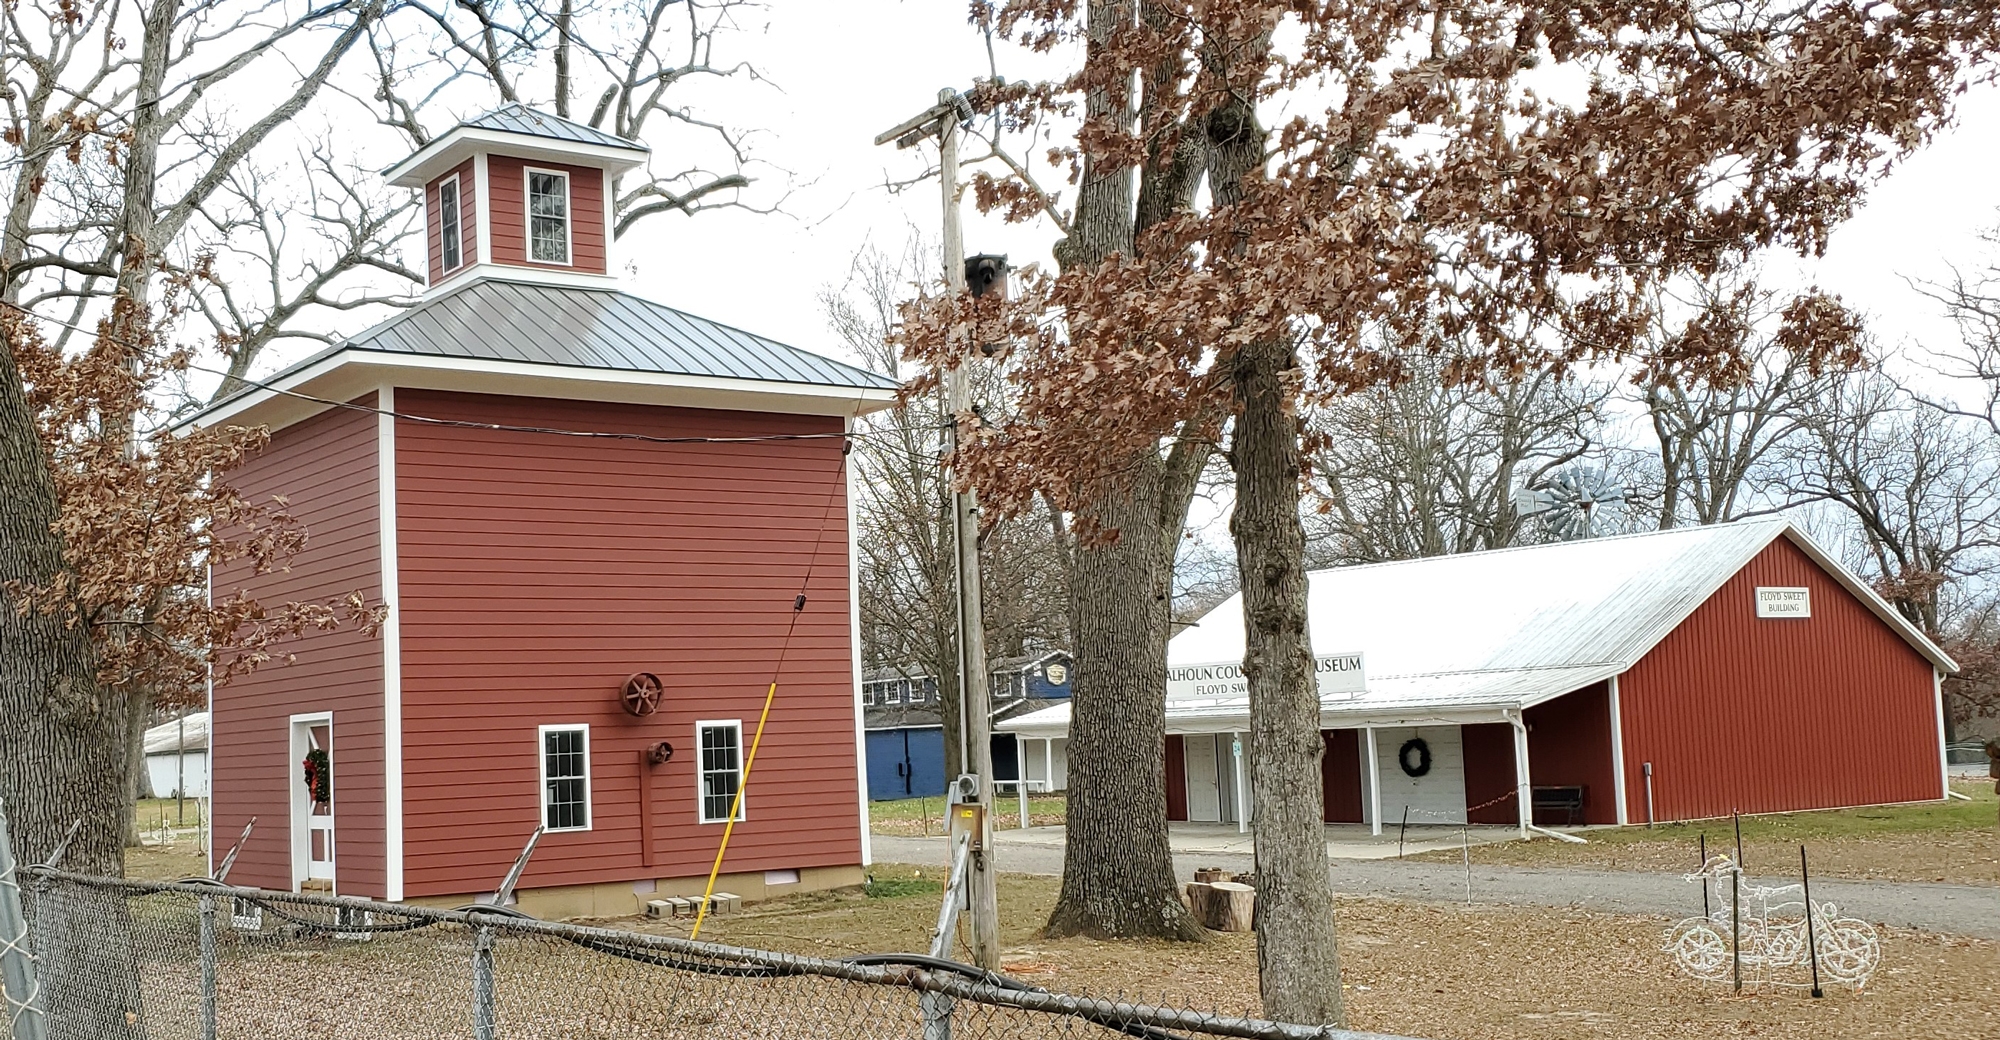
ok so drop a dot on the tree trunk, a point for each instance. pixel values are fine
(1298, 959)
(1118, 872)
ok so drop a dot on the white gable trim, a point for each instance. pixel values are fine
(449, 151)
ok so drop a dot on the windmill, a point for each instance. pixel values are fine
(1570, 501)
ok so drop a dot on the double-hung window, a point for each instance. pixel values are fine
(450, 234)
(566, 777)
(548, 217)
(721, 768)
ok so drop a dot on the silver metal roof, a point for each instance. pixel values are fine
(498, 320)
(166, 738)
(520, 119)
(1503, 630)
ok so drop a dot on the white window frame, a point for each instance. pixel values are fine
(457, 210)
(868, 694)
(542, 775)
(701, 771)
(892, 693)
(528, 216)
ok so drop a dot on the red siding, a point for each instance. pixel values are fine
(1489, 772)
(1176, 778)
(506, 180)
(1340, 776)
(1769, 715)
(1569, 745)
(537, 572)
(468, 213)
(326, 467)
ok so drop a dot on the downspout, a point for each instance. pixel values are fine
(1523, 791)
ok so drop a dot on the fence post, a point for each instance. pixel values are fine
(484, 1024)
(22, 998)
(208, 1019)
(937, 1015)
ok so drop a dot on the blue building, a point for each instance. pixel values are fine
(905, 727)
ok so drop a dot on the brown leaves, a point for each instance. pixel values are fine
(1427, 196)
(143, 518)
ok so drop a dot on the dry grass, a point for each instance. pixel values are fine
(918, 817)
(1956, 842)
(1436, 971)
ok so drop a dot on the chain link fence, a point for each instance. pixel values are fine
(201, 961)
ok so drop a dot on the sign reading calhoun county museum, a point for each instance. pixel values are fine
(1339, 675)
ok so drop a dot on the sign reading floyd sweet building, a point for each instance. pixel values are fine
(1340, 675)
(1784, 602)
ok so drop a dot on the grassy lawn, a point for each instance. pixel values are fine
(1952, 841)
(1441, 971)
(915, 817)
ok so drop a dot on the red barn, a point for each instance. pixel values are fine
(552, 486)
(1668, 676)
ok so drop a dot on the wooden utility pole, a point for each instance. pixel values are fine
(945, 119)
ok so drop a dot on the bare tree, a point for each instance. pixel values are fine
(1712, 433)
(1971, 299)
(636, 57)
(903, 520)
(284, 247)
(1919, 494)
(1426, 467)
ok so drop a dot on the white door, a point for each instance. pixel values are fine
(311, 779)
(1437, 796)
(1204, 791)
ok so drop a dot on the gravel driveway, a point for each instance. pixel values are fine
(1949, 909)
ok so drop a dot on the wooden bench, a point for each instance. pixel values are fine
(1565, 800)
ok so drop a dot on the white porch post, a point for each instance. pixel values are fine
(1945, 755)
(1617, 754)
(1049, 762)
(1021, 775)
(1374, 783)
(1236, 754)
(1523, 793)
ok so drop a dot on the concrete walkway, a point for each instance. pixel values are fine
(1972, 910)
(1343, 840)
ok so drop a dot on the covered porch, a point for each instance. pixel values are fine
(1530, 764)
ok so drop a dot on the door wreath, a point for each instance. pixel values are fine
(319, 776)
(1423, 755)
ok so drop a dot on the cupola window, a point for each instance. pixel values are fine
(548, 217)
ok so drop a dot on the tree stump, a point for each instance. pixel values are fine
(1208, 874)
(1224, 906)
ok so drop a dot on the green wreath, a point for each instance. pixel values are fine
(319, 775)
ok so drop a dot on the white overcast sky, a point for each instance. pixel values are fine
(838, 73)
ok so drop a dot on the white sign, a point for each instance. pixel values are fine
(1784, 602)
(1340, 675)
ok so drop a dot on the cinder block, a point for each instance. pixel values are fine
(658, 908)
(678, 906)
(725, 903)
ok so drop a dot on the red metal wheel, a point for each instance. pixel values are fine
(641, 694)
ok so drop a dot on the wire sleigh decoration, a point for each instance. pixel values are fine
(1780, 930)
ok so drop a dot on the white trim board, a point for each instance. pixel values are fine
(347, 374)
(445, 153)
(854, 653)
(392, 647)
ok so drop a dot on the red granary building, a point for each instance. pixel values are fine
(1668, 676)
(553, 487)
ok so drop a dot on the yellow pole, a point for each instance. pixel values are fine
(735, 810)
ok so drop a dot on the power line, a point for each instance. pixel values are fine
(457, 423)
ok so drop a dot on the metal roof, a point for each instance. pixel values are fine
(165, 738)
(1502, 630)
(520, 119)
(568, 327)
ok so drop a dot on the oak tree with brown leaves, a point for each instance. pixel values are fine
(1496, 187)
